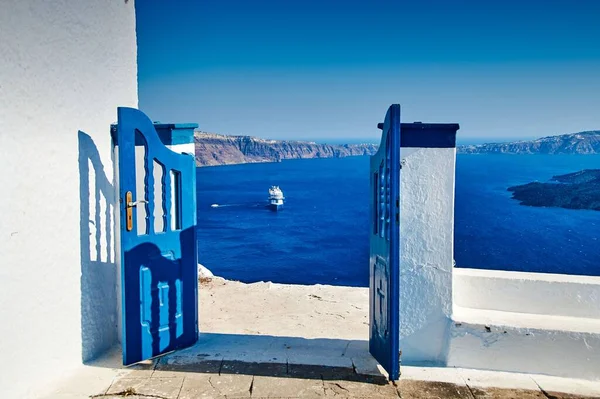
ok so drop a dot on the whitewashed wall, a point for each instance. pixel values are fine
(532, 293)
(485, 319)
(526, 322)
(426, 252)
(496, 320)
(66, 66)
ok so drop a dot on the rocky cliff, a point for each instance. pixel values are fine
(218, 149)
(574, 143)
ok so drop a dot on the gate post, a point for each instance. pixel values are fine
(428, 157)
(179, 138)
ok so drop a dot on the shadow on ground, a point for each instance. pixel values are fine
(238, 365)
(265, 355)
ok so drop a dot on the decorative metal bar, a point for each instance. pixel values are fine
(166, 203)
(149, 189)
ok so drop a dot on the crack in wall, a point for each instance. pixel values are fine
(251, 386)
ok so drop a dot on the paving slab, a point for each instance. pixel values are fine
(255, 369)
(359, 389)
(357, 348)
(165, 388)
(413, 389)
(185, 369)
(268, 356)
(140, 370)
(317, 359)
(499, 393)
(273, 387)
(232, 386)
(128, 397)
(194, 388)
(320, 372)
(368, 366)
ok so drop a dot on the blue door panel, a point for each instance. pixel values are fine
(385, 247)
(159, 268)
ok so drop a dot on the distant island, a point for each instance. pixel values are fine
(579, 190)
(219, 149)
(574, 143)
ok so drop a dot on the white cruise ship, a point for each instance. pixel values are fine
(275, 198)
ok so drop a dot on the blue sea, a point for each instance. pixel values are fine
(321, 237)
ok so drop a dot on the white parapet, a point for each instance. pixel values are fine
(536, 293)
(526, 322)
(528, 343)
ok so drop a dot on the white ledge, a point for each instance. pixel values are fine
(534, 293)
(548, 277)
(516, 320)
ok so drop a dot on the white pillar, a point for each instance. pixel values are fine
(428, 153)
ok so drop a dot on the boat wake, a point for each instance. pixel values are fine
(248, 205)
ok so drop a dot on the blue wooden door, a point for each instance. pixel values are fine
(385, 246)
(159, 274)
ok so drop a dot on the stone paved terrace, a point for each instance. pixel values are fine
(282, 341)
(262, 380)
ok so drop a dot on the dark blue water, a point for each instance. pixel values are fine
(322, 234)
(319, 237)
(493, 231)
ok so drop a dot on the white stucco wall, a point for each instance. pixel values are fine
(523, 342)
(526, 322)
(535, 293)
(484, 319)
(426, 252)
(66, 66)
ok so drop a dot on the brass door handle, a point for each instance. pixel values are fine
(130, 203)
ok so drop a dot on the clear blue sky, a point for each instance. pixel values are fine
(328, 70)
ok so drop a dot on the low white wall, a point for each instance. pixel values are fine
(426, 252)
(537, 293)
(66, 66)
(526, 322)
(560, 348)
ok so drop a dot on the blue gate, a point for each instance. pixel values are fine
(385, 246)
(159, 275)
